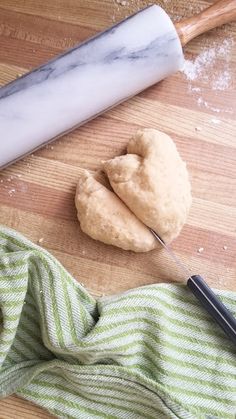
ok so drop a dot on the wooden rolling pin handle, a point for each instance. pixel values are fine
(221, 12)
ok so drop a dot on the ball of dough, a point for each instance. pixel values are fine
(103, 216)
(152, 180)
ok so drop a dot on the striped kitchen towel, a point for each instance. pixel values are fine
(151, 352)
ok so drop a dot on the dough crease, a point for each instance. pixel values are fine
(152, 189)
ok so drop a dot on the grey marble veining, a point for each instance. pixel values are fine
(87, 80)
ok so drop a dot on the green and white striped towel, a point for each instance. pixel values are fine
(151, 352)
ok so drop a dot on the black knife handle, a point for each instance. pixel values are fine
(213, 305)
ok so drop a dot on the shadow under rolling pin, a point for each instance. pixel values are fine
(96, 75)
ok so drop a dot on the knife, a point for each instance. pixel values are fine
(205, 295)
(96, 75)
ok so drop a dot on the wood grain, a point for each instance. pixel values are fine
(221, 12)
(37, 194)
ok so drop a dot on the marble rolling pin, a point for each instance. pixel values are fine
(97, 75)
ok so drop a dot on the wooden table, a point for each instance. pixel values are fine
(37, 194)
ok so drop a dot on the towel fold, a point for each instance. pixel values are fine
(152, 352)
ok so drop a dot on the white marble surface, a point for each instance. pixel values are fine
(87, 80)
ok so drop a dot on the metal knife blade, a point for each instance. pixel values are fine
(205, 295)
(182, 267)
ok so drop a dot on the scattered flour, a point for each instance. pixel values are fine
(195, 89)
(222, 82)
(12, 191)
(212, 69)
(202, 68)
(195, 69)
(203, 103)
(215, 121)
(172, 8)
